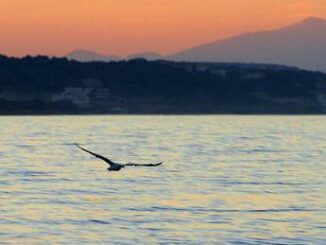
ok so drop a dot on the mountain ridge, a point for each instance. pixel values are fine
(83, 55)
(301, 44)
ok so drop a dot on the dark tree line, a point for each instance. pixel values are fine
(167, 87)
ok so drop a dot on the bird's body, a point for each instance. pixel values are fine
(117, 166)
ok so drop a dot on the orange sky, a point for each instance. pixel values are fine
(56, 27)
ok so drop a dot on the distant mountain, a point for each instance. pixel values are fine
(302, 44)
(151, 56)
(87, 56)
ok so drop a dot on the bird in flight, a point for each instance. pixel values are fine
(117, 166)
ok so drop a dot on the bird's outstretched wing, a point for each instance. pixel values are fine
(143, 165)
(95, 154)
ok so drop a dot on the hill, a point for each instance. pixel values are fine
(42, 85)
(88, 56)
(151, 56)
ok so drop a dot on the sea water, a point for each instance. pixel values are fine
(225, 180)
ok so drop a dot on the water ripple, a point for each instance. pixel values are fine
(225, 180)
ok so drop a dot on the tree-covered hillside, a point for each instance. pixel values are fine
(42, 85)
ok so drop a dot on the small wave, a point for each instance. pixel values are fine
(29, 173)
(204, 210)
(261, 183)
(101, 222)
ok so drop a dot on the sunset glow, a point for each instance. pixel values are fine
(57, 27)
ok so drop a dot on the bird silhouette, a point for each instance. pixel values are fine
(117, 166)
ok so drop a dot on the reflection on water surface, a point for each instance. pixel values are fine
(226, 179)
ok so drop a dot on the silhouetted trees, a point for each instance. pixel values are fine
(140, 86)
